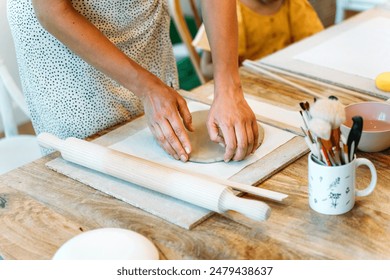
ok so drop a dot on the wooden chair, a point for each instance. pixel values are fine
(15, 149)
(177, 15)
(354, 5)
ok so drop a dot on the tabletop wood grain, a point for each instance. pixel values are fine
(41, 209)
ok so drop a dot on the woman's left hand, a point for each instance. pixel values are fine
(232, 123)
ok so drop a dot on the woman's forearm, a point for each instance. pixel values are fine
(166, 111)
(229, 113)
(84, 39)
(220, 20)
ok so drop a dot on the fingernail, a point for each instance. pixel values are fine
(227, 160)
(183, 158)
(176, 157)
(187, 150)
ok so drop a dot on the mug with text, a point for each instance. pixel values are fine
(332, 189)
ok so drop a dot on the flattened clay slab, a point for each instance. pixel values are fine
(203, 149)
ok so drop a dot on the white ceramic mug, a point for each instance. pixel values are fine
(332, 189)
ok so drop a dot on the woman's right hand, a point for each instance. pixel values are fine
(168, 117)
(165, 109)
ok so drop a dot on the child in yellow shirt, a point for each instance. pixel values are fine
(266, 26)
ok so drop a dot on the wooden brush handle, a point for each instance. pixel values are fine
(187, 187)
(335, 137)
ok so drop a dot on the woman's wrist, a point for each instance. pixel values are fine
(227, 86)
(137, 79)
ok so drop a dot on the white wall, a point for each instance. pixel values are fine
(7, 54)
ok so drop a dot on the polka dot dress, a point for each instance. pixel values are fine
(67, 96)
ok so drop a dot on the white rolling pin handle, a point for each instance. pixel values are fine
(50, 141)
(255, 210)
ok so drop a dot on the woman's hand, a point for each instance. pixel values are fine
(165, 109)
(232, 122)
(167, 116)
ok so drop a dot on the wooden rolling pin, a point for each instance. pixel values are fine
(187, 187)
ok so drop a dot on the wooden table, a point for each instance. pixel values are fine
(41, 209)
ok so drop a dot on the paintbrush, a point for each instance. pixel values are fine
(333, 112)
(338, 119)
(306, 131)
(354, 136)
(321, 129)
(305, 108)
(309, 138)
(312, 145)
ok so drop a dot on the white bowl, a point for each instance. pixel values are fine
(108, 244)
(376, 125)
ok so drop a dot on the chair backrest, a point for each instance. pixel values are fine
(177, 15)
(10, 93)
(15, 150)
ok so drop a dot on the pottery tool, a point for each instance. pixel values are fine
(321, 83)
(354, 136)
(276, 196)
(187, 187)
(259, 69)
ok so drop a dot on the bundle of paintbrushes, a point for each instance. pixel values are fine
(322, 123)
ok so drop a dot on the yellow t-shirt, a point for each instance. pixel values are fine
(261, 35)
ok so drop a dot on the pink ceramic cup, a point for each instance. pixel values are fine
(376, 125)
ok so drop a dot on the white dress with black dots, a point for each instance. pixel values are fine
(67, 96)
